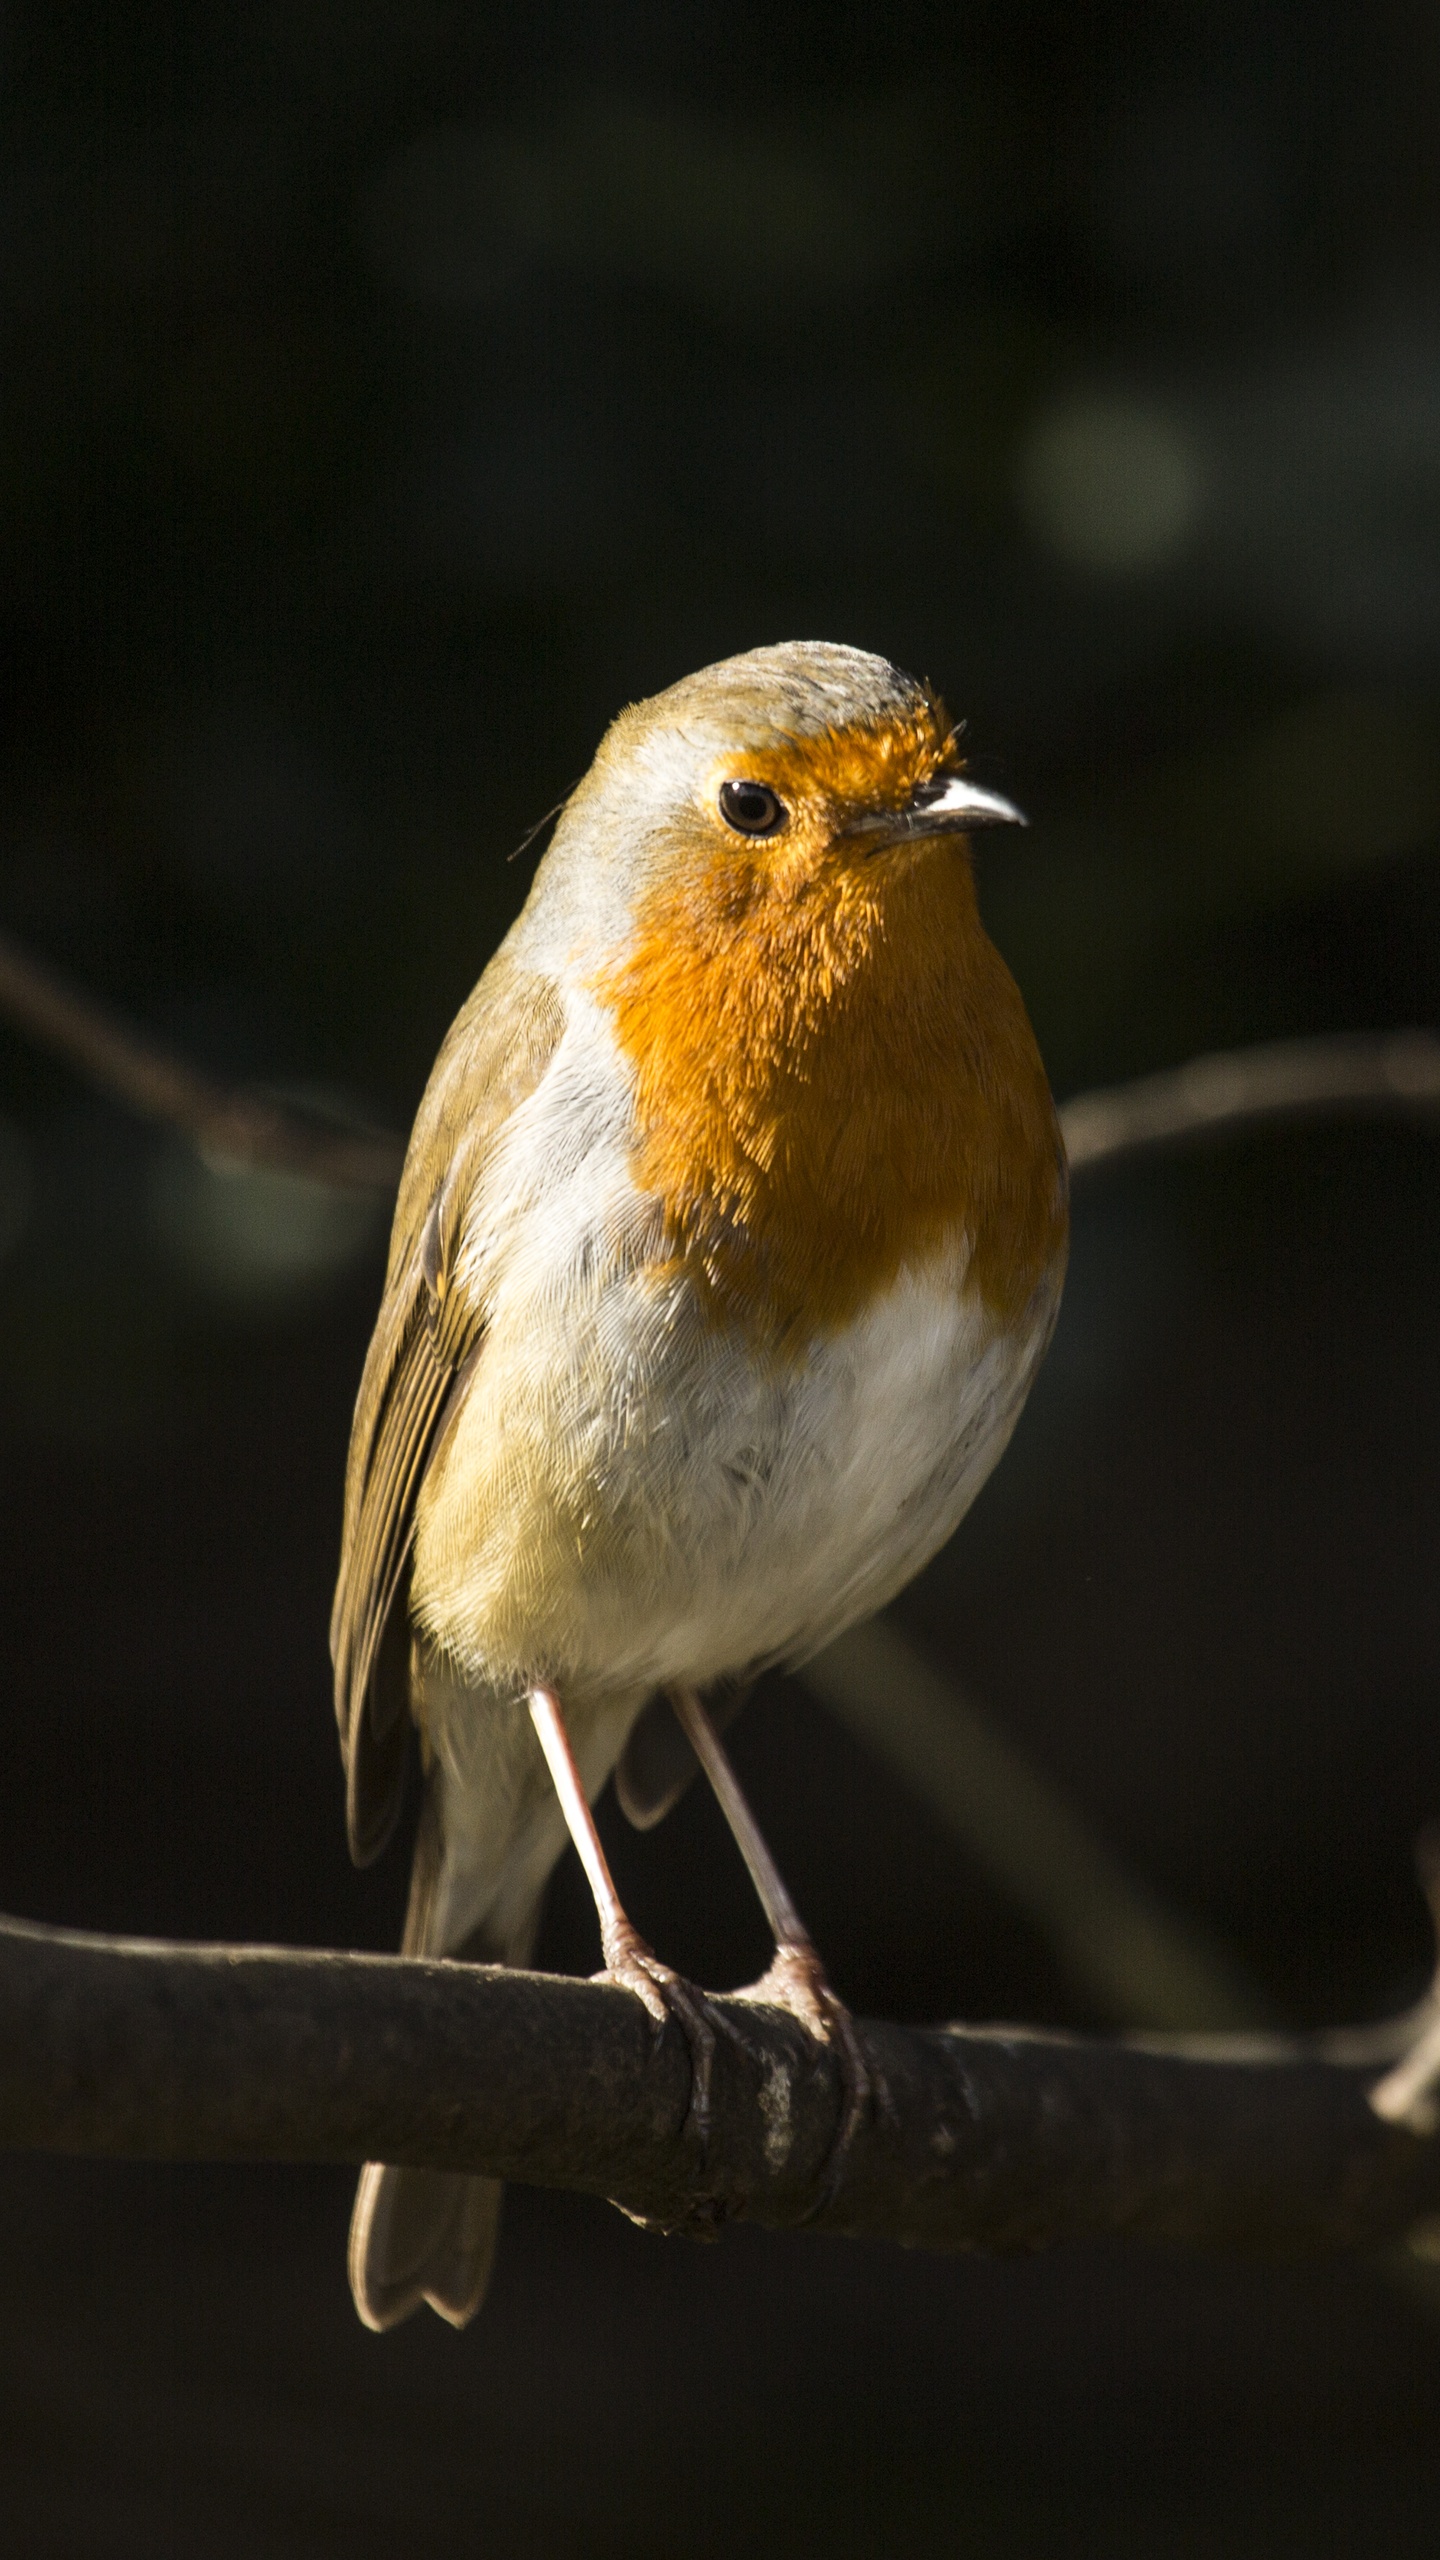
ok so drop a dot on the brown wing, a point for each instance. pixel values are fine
(425, 1344)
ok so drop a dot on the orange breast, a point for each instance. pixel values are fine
(835, 1077)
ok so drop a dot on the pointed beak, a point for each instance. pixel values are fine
(953, 804)
(948, 806)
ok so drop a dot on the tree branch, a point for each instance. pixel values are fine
(238, 1122)
(992, 2139)
(1395, 1071)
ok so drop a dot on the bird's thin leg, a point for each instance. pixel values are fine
(629, 1962)
(796, 1980)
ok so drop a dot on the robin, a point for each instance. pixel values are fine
(730, 1237)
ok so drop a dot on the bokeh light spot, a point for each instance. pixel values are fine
(253, 1238)
(1110, 485)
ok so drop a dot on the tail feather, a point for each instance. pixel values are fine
(421, 2235)
(428, 2235)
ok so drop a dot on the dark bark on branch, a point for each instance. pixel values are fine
(986, 2139)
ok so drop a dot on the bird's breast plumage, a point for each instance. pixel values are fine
(640, 1487)
(834, 1081)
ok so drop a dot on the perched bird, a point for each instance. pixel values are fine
(730, 1237)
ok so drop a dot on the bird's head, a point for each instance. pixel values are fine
(765, 778)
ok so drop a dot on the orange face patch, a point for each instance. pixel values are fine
(867, 768)
(835, 1075)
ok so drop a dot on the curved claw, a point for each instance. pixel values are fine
(633, 1966)
(797, 1983)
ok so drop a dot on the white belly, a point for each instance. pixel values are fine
(630, 1497)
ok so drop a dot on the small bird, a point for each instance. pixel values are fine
(730, 1237)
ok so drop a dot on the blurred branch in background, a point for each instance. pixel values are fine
(1143, 1964)
(996, 2139)
(1390, 1071)
(239, 1123)
(1410, 2092)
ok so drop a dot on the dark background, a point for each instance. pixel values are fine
(390, 392)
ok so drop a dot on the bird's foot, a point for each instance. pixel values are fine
(797, 1983)
(633, 1966)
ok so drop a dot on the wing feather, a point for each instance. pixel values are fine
(425, 1345)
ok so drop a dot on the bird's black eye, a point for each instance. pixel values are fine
(752, 807)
